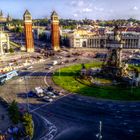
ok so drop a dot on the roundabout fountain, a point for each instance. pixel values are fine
(113, 71)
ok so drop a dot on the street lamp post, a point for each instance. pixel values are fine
(59, 71)
(99, 135)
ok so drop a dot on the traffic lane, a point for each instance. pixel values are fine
(89, 114)
(39, 127)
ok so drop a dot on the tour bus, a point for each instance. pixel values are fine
(8, 76)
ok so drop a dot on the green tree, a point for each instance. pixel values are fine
(42, 37)
(11, 50)
(28, 124)
(19, 29)
(14, 112)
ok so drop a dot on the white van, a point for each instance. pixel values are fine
(39, 91)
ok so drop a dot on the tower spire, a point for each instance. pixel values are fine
(28, 31)
(55, 32)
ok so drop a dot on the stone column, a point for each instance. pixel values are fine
(8, 43)
(1, 48)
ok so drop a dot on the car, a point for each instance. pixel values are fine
(54, 62)
(57, 93)
(51, 94)
(50, 88)
(45, 90)
(47, 68)
(38, 90)
(62, 62)
(31, 94)
(40, 95)
(24, 69)
(47, 98)
(50, 68)
(30, 67)
(22, 95)
(59, 57)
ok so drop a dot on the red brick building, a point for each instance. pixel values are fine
(55, 32)
(28, 31)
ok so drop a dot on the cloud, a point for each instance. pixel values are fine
(75, 15)
(87, 10)
(80, 3)
(135, 8)
(98, 9)
(81, 8)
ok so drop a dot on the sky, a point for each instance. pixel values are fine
(75, 9)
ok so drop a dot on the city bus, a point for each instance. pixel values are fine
(7, 76)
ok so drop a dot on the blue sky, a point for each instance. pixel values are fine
(76, 9)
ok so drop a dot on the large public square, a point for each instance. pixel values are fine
(69, 70)
(72, 113)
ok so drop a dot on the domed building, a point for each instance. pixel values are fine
(4, 19)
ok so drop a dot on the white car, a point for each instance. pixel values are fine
(50, 68)
(30, 67)
(47, 98)
(51, 94)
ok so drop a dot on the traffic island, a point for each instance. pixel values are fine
(66, 78)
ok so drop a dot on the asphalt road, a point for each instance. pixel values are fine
(77, 118)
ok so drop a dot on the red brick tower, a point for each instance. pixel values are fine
(55, 32)
(28, 31)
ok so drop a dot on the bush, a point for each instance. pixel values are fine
(28, 124)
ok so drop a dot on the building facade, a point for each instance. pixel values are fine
(28, 31)
(131, 40)
(4, 43)
(55, 31)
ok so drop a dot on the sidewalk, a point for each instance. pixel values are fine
(4, 119)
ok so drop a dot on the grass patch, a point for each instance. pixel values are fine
(65, 78)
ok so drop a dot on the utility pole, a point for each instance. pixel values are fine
(59, 71)
(99, 135)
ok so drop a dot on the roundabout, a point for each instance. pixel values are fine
(67, 78)
(110, 79)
